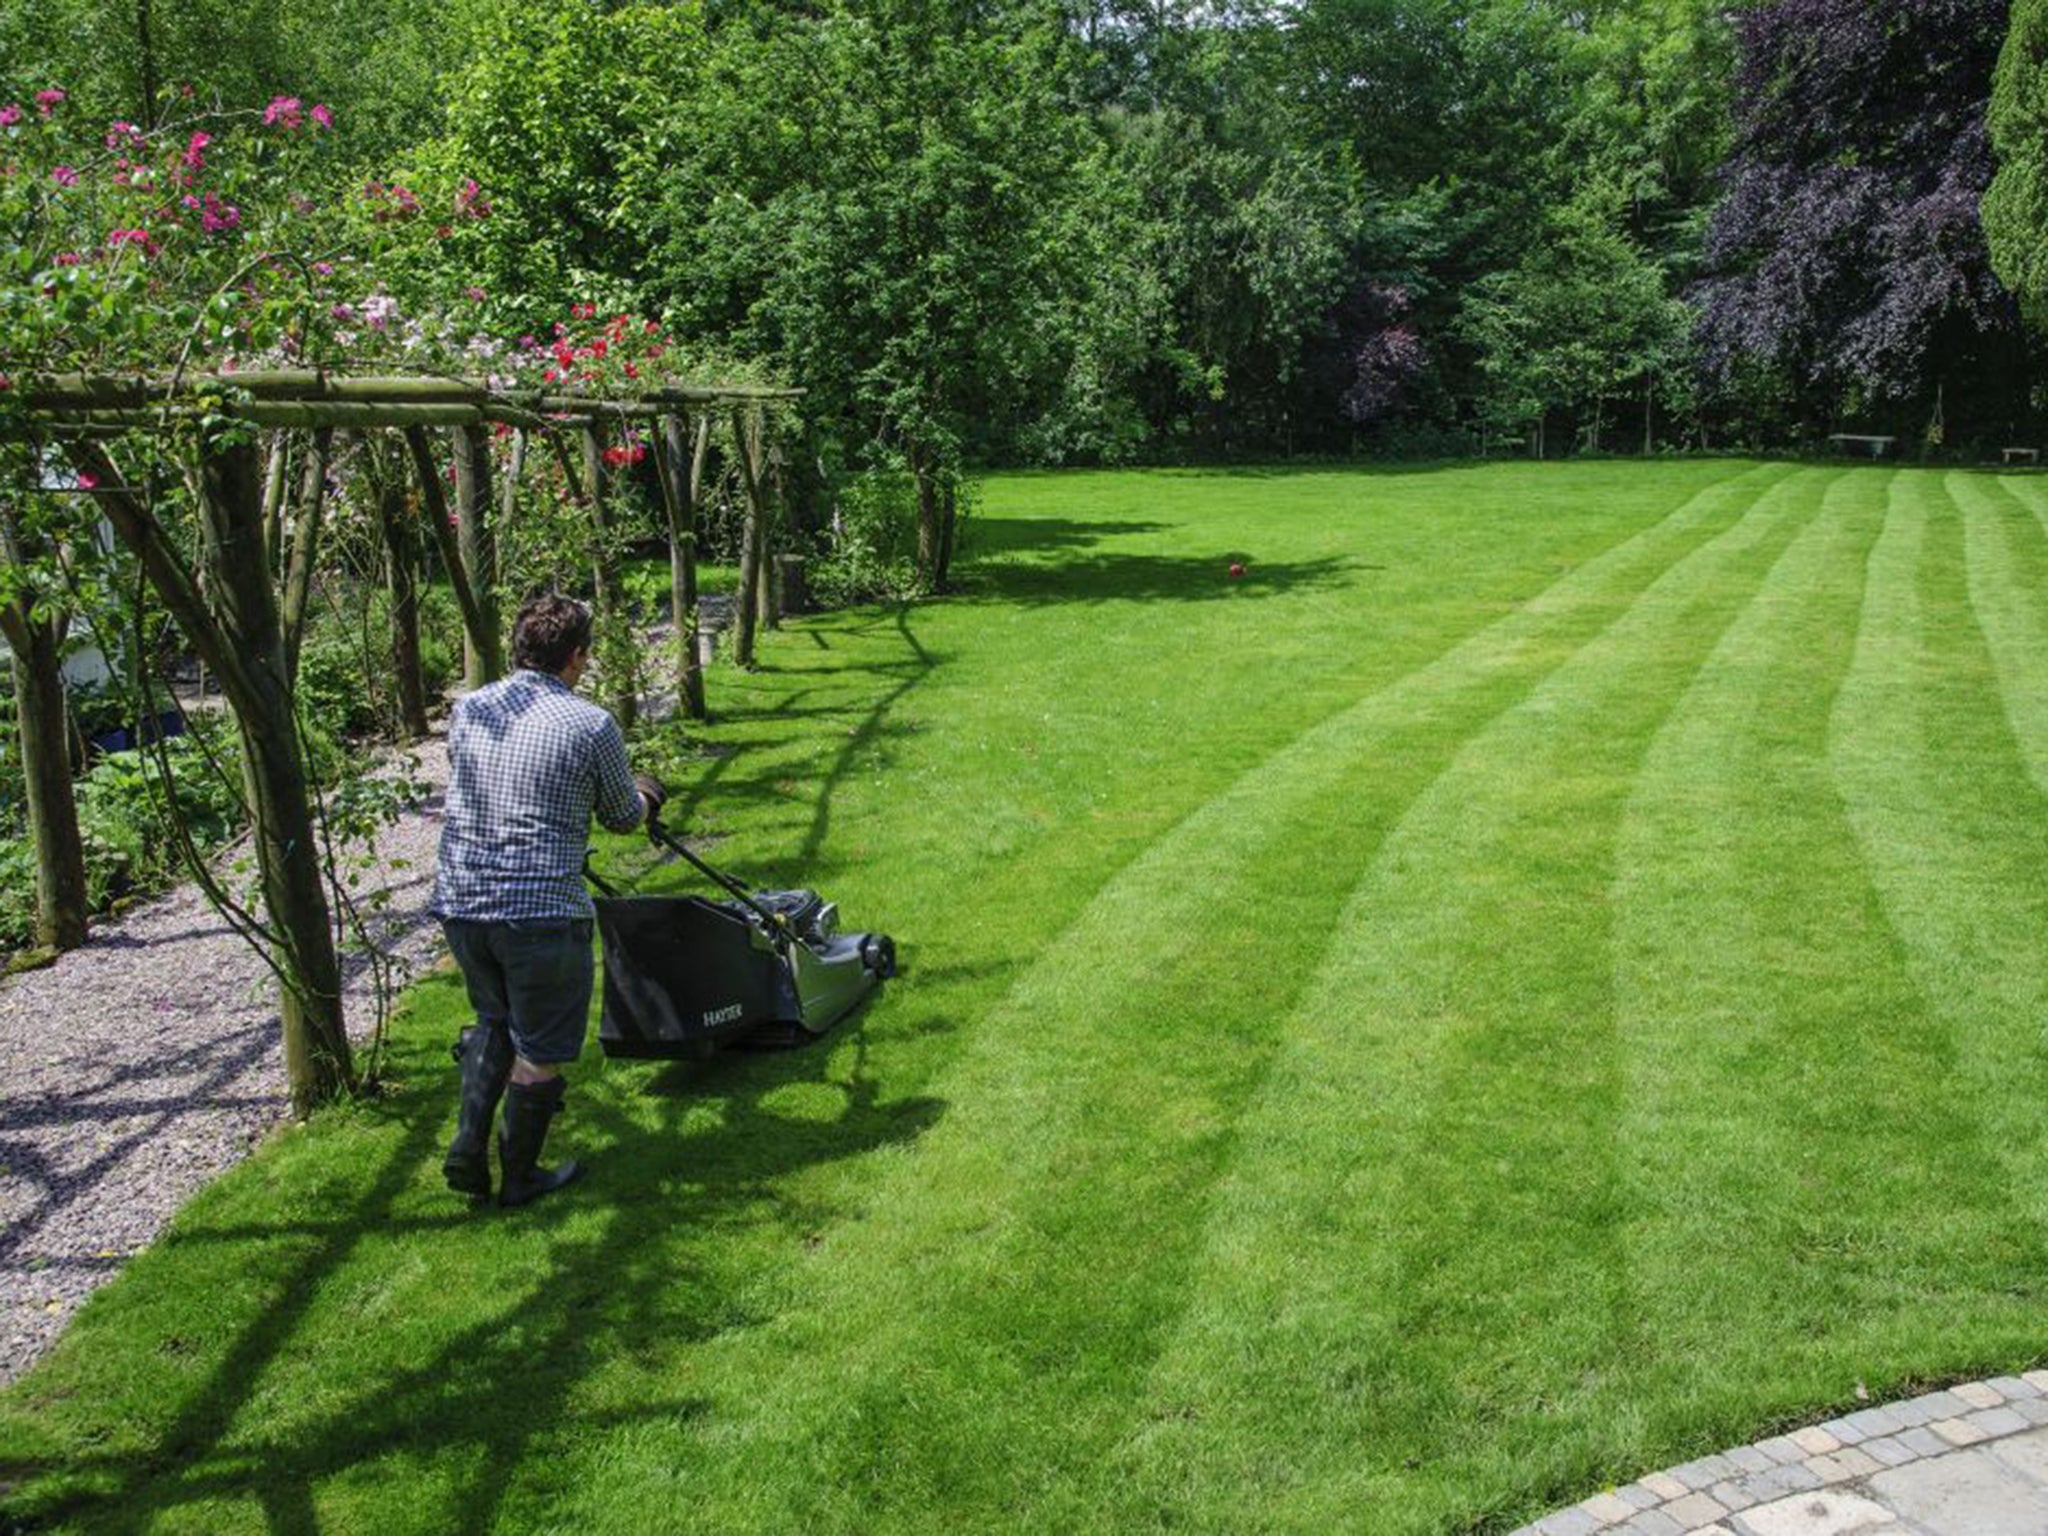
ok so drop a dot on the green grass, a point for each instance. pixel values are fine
(1542, 979)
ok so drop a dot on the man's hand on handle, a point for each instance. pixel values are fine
(652, 794)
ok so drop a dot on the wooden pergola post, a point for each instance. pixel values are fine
(615, 661)
(483, 655)
(682, 470)
(746, 431)
(479, 630)
(401, 583)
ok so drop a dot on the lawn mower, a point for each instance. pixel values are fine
(684, 975)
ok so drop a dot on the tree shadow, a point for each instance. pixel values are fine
(495, 1389)
(1078, 570)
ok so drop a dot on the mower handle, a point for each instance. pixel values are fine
(661, 836)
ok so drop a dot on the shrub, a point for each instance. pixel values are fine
(870, 551)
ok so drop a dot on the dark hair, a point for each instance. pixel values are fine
(549, 630)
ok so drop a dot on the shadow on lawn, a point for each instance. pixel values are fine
(500, 1390)
(1082, 572)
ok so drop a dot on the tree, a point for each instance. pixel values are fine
(867, 192)
(2016, 203)
(1584, 314)
(1848, 251)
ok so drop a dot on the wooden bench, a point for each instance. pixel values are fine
(1877, 446)
(2022, 455)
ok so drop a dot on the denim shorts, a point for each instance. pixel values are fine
(535, 977)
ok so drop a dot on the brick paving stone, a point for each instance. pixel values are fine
(1998, 1421)
(1568, 1522)
(1833, 1513)
(1781, 1449)
(1636, 1496)
(1610, 1507)
(1972, 1493)
(1942, 1405)
(1958, 1432)
(1653, 1522)
(1875, 1421)
(1705, 1472)
(1979, 1394)
(1814, 1441)
(1778, 1482)
(1844, 1431)
(2035, 1379)
(1846, 1463)
(1750, 1459)
(1665, 1486)
(1924, 1442)
(1888, 1449)
(2013, 1386)
(1733, 1496)
(2033, 1409)
(1694, 1510)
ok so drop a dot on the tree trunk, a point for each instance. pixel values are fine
(316, 1046)
(44, 725)
(949, 520)
(682, 470)
(928, 531)
(746, 435)
(617, 652)
(1649, 439)
(401, 581)
(483, 656)
(43, 721)
(235, 628)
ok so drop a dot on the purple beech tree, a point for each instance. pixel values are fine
(1847, 254)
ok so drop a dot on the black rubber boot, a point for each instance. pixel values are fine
(486, 1056)
(528, 1109)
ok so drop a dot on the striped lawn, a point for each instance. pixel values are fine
(1543, 979)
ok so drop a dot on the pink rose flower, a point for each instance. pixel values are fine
(64, 176)
(9, 115)
(285, 112)
(88, 481)
(323, 115)
(195, 150)
(46, 101)
(120, 133)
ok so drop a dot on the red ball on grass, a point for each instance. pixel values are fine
(1236, 569)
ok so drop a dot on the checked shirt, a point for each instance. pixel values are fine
(529, 763)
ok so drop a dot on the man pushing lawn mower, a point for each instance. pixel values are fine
(529, 764)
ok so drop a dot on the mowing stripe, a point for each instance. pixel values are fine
(1947, 818)
(1416, 1214)
(2006, 551)
(1072, 1131)
(1799, 1170)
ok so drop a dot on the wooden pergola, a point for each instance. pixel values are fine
(242, 600)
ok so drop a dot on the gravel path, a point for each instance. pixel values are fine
(137, 1068)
